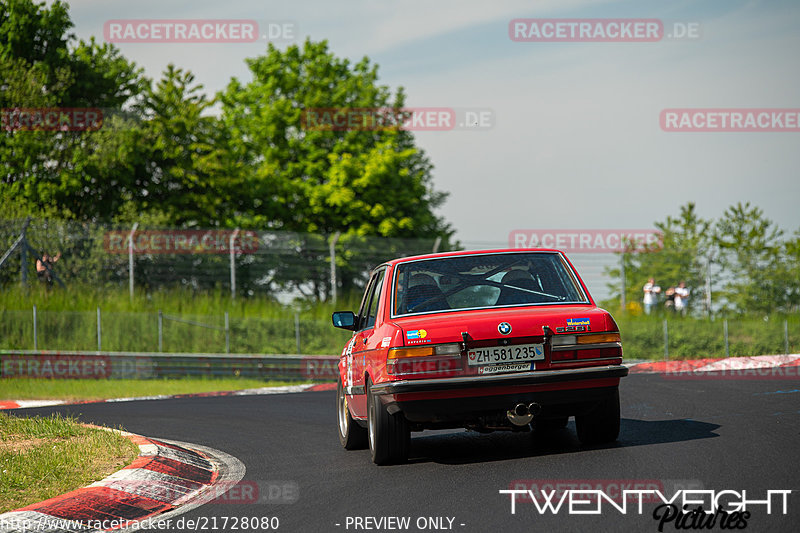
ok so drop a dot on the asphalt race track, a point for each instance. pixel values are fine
(713, 434)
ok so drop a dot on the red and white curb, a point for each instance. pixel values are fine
(168, 478)
(694, 366)
(728, 364)
(286, 389)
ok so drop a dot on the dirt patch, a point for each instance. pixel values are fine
(14, 443)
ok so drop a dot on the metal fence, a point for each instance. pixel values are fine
(163, 332)
(144, 365)
(245, 262)
(158, 332)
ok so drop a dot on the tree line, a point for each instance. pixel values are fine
(169, 155)
(741, 262)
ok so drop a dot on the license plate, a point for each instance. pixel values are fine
(493, 355)
(505, 367)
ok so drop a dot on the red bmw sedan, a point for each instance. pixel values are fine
(485, 340)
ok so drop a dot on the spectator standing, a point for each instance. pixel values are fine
(651, 292)
(669, 299)
(681, 298)
(42, 271)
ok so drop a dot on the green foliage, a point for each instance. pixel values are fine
(697, 338)
(750, 252)
(318, 181)
(163, 159)
(67, 320)
(45, 67)
(742, 256)
(681, 255)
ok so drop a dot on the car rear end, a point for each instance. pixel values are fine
(472, 375)
(489, 367)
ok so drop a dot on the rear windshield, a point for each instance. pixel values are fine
(481, 281)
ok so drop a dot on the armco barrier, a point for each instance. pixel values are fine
(144, 365)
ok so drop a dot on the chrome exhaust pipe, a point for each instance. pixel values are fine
(520, 415)
(534, 409)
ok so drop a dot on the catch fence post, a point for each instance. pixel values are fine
(725, 332)
(35, 338)
(624, 282)
(708, 286)
(227, 334)
(160, 331)
(233, 263)
(99, 332)
(332, 247)
(130, 259)
(786, 337)
(297, 330)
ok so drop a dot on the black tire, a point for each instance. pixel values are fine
(551, 424)
(601, 424)
(389, 435)
(351, 435)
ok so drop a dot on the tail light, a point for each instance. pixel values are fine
(430, 359)
(588, 346)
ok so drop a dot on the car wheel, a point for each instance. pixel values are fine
(601, 424)
(351, 434)
(389, 435)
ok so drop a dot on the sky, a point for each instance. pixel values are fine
(575, 140)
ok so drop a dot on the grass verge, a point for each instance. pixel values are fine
(42, 457)
(99, 389)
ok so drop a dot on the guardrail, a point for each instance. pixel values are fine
(153, 365)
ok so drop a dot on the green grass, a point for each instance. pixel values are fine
(99, 389)
(174, 301)
(694, 338)
(67, 320)
(43, 457)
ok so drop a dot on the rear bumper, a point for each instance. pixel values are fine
(451, 402)
(536, 377)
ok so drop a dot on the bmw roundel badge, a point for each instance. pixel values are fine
(504, 328)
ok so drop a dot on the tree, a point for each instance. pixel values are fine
(790, 271)
(44, 66)
(308, 180)
(750, 246)
(681, 255)
(359, 183)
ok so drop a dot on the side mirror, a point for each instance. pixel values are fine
(344, 320)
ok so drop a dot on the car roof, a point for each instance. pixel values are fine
(468, 252)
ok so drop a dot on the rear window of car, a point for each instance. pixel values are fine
(483, 281)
